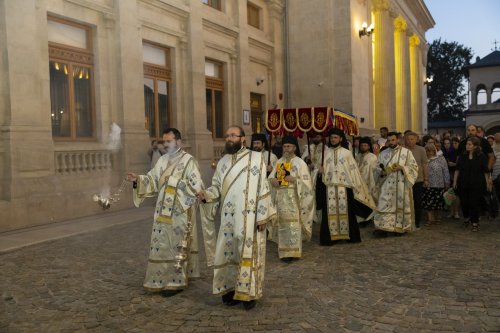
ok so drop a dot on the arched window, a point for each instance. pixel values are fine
(481, 94)
(495, 93)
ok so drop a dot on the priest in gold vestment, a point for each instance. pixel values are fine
(175, 180)
(240, 191)
(293, 198)
(346, 193)
(395, 177)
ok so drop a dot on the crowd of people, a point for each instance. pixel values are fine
(398, 182)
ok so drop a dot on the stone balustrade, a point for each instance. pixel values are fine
(70, 162)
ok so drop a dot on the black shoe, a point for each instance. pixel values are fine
(228, 297)
(249, 305)
(170, 293)
(287, 259)
(229, 300)
(379, 233)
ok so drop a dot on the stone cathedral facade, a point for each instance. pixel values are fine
(72, 68)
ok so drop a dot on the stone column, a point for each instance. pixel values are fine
(383, 74)
(416, 79)
(402, 68)
(473, 94)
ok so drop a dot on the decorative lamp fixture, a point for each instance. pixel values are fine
(428, 80)
(366, 30)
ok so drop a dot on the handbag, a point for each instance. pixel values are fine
(449, 196)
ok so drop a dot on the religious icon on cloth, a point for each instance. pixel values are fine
(283, 170)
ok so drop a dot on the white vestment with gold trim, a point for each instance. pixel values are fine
(295, 209)
(340, 173)
(175, 180)
(395, 212)
(242, 195)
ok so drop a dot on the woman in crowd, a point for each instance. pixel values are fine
(472, 179)
(439, 181)
(450, 154)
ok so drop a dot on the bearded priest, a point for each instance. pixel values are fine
(240, 191)
(346, 195)
(293, 197)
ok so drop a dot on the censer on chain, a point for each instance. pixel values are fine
(184, 246)
(105, 202)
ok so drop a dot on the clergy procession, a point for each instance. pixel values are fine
(256, 196)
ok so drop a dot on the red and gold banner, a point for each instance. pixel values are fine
(273, 120)
(321, 116)
(290, 120)
(309, 120)
(305, 117)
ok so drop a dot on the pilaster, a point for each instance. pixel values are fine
(383, 54)
(402, 68)
(416, 82)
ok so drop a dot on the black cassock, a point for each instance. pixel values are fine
(355, 208)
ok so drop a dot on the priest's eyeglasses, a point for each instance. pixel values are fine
(232, 136)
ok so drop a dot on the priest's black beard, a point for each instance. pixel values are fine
(257, 149)
(335, 146)
(392, 146)
(232, 147)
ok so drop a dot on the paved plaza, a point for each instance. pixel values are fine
(439, 279)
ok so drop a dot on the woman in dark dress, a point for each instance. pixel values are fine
(472, 180)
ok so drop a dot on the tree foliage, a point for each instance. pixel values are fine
(446, 63)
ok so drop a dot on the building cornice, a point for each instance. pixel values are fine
(422, 13)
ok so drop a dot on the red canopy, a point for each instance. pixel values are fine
(308, 120)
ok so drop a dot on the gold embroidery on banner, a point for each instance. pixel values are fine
(305, 119)
(289, 119)
(320, 121)
(273, 120)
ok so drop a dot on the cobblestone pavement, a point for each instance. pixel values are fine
(439, 279)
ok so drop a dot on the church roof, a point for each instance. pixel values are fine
(492, 59)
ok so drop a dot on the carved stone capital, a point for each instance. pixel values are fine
(400, 24)
(414, 41)
(380, 5)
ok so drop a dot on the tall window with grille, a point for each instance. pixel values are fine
(71, 67)
(214, 82)
(157, 81)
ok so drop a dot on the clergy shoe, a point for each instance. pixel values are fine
(379, 233)
(170, 293)
(249, 305)
(229, 300)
